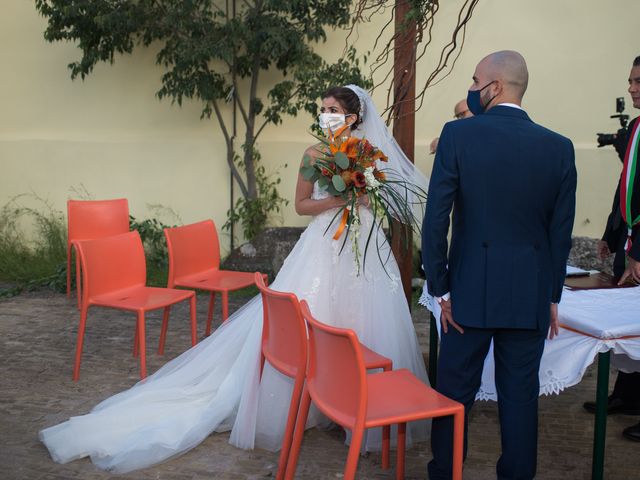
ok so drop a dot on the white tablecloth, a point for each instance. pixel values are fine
(607, 315)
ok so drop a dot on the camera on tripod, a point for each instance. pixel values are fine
(605, 139)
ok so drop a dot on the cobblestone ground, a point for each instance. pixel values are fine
(37, 341)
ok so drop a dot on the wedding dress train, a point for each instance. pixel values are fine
(215, 385)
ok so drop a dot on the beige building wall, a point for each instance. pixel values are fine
(110, 136)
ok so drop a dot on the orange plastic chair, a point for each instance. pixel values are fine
(114, 275)
(194, 262)
(89, 219)
(339, 386)
(284, 345)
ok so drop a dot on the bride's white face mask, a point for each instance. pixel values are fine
(332, 121)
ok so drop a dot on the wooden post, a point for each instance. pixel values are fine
(404, 83)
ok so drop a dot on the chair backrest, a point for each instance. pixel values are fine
(336, 374)
(111, 263)
(192, 248)
(284, 333)
(89, 219)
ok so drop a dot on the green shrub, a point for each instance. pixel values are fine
(38, 259)
(40, 262)
(151, 232)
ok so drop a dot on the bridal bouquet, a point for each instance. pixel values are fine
(346, 167)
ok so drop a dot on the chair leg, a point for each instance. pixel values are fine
(212, 302)
(386, 433)
(192, 318)
(290, 426)
(354, 453)
(296, 443)
(78, 280)
(142, 346)
(386, 446)
(225, 306)
(81, 328)
(163, 330)
(135, 342)
(458, 440)
(69, 270)
(402, 431)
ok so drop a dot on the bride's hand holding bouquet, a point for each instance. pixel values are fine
(347, 167)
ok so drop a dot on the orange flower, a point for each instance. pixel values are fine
(349, 147)
(358, 179)
(366, 163)
(346, 176)
(378, 155)
(379, 175)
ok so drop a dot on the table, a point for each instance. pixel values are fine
(594, 323)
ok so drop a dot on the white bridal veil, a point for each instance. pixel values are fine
(398, 167)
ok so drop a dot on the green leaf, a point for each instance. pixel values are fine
(341, 160)
(332, 190)
(308, 172)
(338, 183)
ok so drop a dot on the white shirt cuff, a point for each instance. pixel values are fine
(444, 297)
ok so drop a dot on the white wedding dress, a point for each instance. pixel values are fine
(214, 386)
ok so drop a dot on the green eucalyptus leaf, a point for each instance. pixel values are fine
(332, 190)
(341, 160)
(338, 183)
(308, 172)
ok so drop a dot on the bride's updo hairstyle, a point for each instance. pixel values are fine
(348, 100)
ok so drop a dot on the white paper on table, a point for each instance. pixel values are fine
(576, 272)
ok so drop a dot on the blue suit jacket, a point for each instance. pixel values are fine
(512, 185)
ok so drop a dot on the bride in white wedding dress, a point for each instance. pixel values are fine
(215, 385)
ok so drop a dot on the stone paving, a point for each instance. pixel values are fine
(37, 343)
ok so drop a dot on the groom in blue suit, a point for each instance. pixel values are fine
(511, 184)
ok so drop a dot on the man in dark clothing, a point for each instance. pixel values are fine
(622, 237)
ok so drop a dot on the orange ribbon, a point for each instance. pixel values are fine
(575, 330)
(343, 224)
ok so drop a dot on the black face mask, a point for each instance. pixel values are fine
(474, 102)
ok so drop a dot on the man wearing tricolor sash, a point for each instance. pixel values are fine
(622, 236)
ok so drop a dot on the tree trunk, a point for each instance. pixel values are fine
(404, 82)
(249, 141)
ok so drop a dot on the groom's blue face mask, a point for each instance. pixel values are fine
(474, 101)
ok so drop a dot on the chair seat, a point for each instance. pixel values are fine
(373, 359)
(216, 280)
(416, 402)
(141, 298)
(385, 406)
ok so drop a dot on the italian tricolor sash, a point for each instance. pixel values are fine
(626, 182)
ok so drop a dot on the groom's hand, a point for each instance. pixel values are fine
(446, 318)
(554, 326)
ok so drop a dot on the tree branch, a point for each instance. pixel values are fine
(243, 111)
(230, 150)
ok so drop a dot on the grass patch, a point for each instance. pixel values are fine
(33, 247)
(39, 262)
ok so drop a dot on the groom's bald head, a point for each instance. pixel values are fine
(502, 77)
(509, 69)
